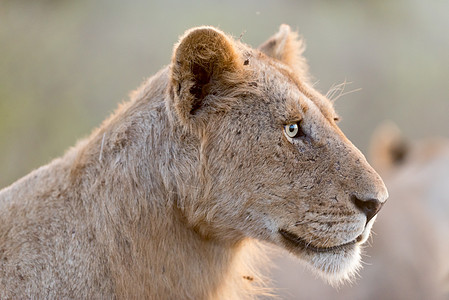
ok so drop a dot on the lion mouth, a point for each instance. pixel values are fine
(294, 240)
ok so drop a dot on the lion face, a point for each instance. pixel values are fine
(274, 164)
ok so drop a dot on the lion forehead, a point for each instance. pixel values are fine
(288, 90)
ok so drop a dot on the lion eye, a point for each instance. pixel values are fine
(293, 130)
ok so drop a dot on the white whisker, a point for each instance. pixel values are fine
(101, 149)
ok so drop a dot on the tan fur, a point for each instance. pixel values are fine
(285, 46)
(409, 257)
(168, 198)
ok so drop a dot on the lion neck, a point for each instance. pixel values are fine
(131, 188)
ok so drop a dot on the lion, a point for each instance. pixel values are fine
(409, 257)
(226, 147)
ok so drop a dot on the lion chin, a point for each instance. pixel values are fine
(337, 267)
(337, 264)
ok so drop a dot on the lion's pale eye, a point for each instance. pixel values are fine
(293, 130)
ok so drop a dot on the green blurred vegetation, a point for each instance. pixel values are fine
(64, 65)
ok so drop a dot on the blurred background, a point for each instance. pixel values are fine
(65, 65)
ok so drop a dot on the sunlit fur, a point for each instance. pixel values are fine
(407, 255)
(168, 198)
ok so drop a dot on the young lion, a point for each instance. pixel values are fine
(225, 146)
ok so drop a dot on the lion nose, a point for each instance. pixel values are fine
(369, 207)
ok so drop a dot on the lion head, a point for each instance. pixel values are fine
(270, 161)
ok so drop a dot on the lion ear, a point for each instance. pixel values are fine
(204, 63)
(388, 147)
(288, 48)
